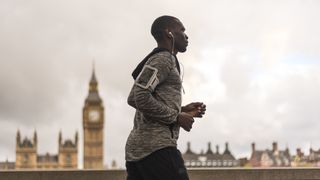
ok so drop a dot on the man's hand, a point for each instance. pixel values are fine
(185, 120)
(195, 109)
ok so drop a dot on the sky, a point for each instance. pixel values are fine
(255, 64)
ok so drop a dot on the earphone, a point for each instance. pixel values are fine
(170, 33)
(172, 46)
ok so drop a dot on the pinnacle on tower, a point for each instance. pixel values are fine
(35, 137)
(76, 139)
(93, 96)
(209, 151)
(217, 149)
(60, 137)
(18, 137)
(93, 76)
(226, 151)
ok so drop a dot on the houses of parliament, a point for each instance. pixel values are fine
(27, 156)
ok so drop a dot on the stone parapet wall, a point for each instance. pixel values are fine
(195, 174)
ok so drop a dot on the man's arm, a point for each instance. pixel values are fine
(141, 97)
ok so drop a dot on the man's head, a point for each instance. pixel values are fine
(169, 29)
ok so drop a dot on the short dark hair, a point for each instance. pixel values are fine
(160, 24)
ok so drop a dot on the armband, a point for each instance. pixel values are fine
(147, 78)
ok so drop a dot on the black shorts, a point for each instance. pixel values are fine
(164, 164)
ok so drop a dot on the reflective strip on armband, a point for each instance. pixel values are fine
(147, 78)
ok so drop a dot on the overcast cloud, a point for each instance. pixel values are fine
(254, 63)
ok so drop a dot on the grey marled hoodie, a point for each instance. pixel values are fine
(155, 122)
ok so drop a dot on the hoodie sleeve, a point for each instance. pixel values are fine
(141, 97)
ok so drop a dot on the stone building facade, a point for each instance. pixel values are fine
(270, 158)
(302, 160)
(7, 165)
(27, 156)
(209, 158)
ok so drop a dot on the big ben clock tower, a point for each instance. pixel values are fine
(93, 120)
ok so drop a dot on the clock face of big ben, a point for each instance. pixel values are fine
(94, 115)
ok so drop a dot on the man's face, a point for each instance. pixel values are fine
(180, 37)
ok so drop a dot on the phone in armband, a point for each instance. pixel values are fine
(147, 78)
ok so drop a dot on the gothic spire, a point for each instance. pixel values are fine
(60, 138)
(217, 149)
(209, 151)
(189, 151)
(93, 85)
(18, 137)
(93, 96)
(76, 139)
(93, 76)
(227, 151)
(35, 137)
